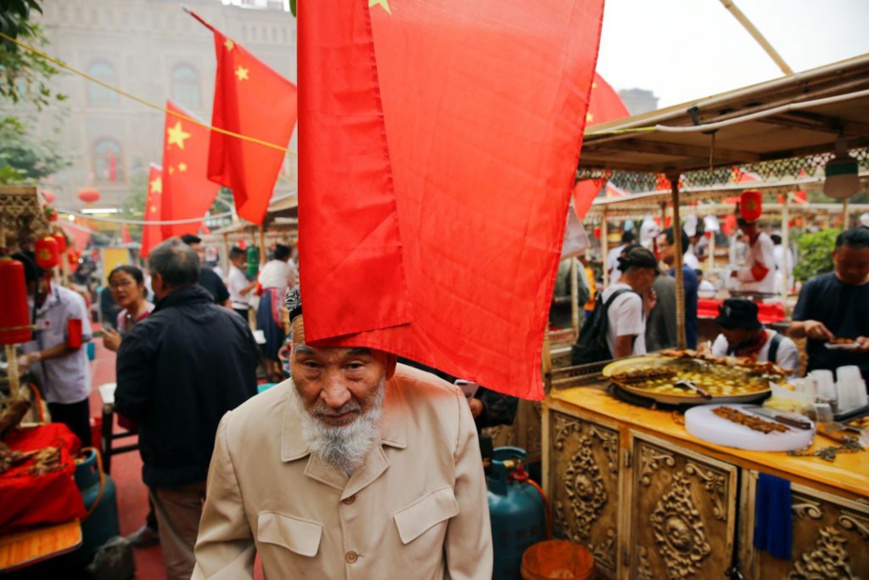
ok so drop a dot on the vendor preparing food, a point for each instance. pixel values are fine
(833, 309)
(743, 335)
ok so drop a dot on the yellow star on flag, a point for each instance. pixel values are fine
(382, 3)
(171, 170)
(589, 118)
(182, 167)
(153, 209)
(177, 135)
(229, 44)
(157, 185)
(241, 73)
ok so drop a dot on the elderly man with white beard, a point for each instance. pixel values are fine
(355, 468)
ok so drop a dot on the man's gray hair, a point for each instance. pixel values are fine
(176, 262)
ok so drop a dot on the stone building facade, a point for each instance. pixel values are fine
(154, 50)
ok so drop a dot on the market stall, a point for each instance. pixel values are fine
(628, 476)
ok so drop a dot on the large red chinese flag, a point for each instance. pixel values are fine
(355, 275)
(187, 191)
(484, 105)
(152, 233)
(252, 100)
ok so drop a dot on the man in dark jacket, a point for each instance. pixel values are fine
(178, 372)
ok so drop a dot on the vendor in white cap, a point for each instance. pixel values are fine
(757, 273)
(689, 257)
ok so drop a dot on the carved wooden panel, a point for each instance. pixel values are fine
(682, 513)
(584, 489)
(830, 539)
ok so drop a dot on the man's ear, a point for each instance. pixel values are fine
(391, 362)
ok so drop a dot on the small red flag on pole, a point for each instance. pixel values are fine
(187, 191)
(253, 100)
(152, 233)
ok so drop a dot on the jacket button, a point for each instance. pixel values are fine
(348, 500)
(351, 557)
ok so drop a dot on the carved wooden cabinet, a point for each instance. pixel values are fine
(585, 497)
(681, 511)
(830, 537)
(650, 502)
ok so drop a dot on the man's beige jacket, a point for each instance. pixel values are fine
(417, 508)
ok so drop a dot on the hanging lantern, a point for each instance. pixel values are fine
(597, 232)
(14, 315)
(88, 194)
(750, 205)
(50, 213)
(801, 196)
(61, 242)
(47, 256)
(49, 196)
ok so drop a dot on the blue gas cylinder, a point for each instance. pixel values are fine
(99, 496)
(516, 509)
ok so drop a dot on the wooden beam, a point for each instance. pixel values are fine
(685, 150)
(821, 123)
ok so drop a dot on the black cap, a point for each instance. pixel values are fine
(738, 313)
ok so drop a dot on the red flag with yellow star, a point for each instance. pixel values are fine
(252, 100)
(484, 104)
(187, 191)
(152, 233)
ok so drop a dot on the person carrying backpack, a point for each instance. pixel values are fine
(617, 326)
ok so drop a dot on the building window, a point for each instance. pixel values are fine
(185, 86)
(97, 94)
(108, 165)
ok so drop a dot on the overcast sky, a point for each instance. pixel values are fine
(683, 50)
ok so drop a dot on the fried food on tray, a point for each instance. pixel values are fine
(859, 423)
(751, 421)
(842, 341)
(643, 374)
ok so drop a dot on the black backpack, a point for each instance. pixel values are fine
(591, 346)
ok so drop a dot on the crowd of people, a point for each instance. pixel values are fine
(640, 302)
(361, 459)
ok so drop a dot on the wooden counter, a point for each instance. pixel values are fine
(652, 501)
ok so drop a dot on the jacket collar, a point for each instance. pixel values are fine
(189, 295)
(393, 433)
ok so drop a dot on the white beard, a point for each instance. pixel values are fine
(345, 447)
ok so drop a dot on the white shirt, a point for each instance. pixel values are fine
(761, 251)
(690, 260)
(787, 356)
(707, 287)
(625, 317)
(66, 379)
(235, 284)
(275, 274)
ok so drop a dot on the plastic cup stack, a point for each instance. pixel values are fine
(825, 387)
(850, 389)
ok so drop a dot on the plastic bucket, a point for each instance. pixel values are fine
(557, 559)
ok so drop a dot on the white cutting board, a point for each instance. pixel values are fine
(702, 423)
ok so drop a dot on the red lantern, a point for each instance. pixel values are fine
(14, 315)
(49, 196)
(751, 205)
(47, 255)
(801, 196)
(597, 232)
(707, 234)
(88, 194)
(50, 213)
(61, 242)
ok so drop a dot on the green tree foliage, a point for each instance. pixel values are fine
(23, 158)
(24, 75)
(815, 254)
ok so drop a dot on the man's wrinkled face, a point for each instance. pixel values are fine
(337, 385)
(851, 265)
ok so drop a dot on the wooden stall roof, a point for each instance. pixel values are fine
(789, 117)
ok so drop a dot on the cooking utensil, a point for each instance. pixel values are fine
(692, 387)
(789, 420)
(838, 432)
(703, 423)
